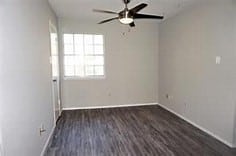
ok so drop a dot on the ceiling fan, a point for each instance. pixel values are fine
(127, 15)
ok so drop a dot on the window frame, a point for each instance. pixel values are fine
(93, 77)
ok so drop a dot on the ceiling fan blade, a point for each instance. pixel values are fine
(104, 11)
(108, 20)
(138, 7)
(139, 16)
(132, 24)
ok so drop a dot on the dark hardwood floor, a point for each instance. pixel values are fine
(133, 131)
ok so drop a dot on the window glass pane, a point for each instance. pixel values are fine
(69, 71)
(89, 60)
(98, 39)
(88, 49)
(69, 60)
(54, 49)
(79, 71)
(79, 49)
(88, 39)
(89, 70)
(68, 48)
(78, 39)
(99, 70)
(79, 60)
(98, 49)
(98, 60)
(68, 38)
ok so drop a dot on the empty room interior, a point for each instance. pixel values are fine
(118, 78)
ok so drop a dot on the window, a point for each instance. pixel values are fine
(83, 56)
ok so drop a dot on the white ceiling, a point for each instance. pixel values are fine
(82, 9)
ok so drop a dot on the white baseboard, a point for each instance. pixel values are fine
(233, 146)
(47, 142)
(112, 106)
(199, 127)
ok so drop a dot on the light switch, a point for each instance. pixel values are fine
(218, 59)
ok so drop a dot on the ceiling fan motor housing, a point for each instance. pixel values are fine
(125, 14)
(125, 17)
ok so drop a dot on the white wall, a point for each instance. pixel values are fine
(25, 75)
(201, 91)
(131, 65)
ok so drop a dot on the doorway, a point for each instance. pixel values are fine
(55, 71)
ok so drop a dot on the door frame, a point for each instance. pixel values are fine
(53, 28)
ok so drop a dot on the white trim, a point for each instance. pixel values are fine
(233, 146)
(47, 142)
(112, 106)
(198, 126)
(85, 78)
(53, 29)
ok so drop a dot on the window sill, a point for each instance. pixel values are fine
(84, 78)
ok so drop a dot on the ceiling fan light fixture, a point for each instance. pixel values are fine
(126, 20)
(125, 17)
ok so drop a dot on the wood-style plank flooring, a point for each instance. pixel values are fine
(133, 131)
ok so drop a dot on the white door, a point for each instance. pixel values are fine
(55, 71)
